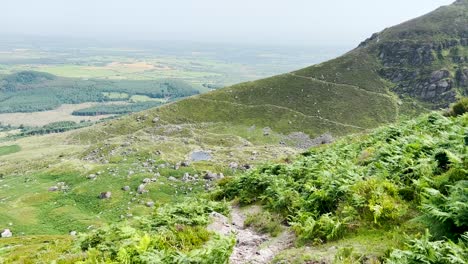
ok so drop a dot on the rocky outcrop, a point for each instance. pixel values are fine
(415, 69)
(461, 77)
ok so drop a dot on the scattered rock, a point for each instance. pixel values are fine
(92, 176)
(172, 178)
(141, 189)
(210, 176)
(73, 233)
(126, 188)
(155, 120)
(185, 163)
(53, 189)
(146, 180)
(6, 233)
(149, 204)
(233, 165)
(105, 195)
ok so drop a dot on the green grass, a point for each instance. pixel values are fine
(362, 189)
(114, 95)
(5, 150)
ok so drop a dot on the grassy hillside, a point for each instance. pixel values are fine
(360, 195)
(367, 187)
(397, 73)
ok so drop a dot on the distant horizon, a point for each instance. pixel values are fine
(242, 22)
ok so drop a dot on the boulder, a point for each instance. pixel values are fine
(146, 180)
(149, 204)
(439, 75)
(210, 176)
(141, 189)
(155, 120)
(233, 165)
(92, 176)
(105, 195)
(6, 233)
(126, 188)
(73, 233)
(53, 189)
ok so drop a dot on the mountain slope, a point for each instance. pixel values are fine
(237, 126)
(404, 70)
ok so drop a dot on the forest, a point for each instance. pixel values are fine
(30, 91)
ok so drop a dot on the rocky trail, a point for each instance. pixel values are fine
(251, 246)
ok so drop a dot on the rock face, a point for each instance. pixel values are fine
(414, 69)
(6, 233)
(461, 77)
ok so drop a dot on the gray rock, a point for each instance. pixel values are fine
(105, 195)
(439, 75)
(210, 176)
(171, 178)
(53, 189)
(200, 156)
(6, 233)
(126, 188)
(141, 189)
(233, 165)
(149, 204)
(146, 180)
(92, 176)
(73, 233)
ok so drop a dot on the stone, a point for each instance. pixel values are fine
(155, 120)
(233, 165)
(53, 189)
(439, 75)
(210, 176)
(172, 178)
(141, 189)
(149, 204)
(73, 233)
(146, 180)
(126, 188)
(92, 176)
(6, 233)
(185, 163)
(105, 195)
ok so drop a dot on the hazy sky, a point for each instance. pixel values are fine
(304, 22)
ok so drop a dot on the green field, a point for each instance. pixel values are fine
(5, 150)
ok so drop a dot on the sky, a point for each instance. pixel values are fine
(289, 22)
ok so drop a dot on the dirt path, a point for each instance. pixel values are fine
(251, 247)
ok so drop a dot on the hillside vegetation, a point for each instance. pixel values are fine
(30, 91)
(133, 191)
(399, 179)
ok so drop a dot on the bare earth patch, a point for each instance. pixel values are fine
(63, 113)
